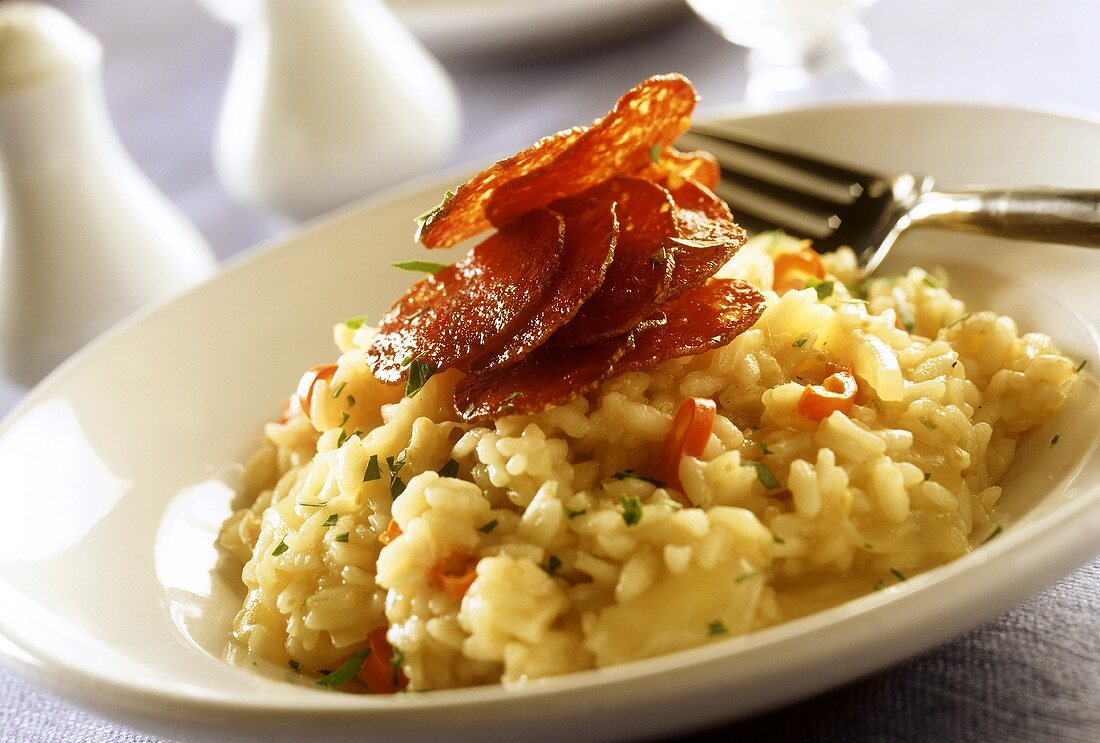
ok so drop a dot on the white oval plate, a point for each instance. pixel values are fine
(113, 476)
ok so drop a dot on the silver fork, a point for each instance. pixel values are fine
(770, 187)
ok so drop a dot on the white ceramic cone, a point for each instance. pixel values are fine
(329, 100)
(85, 238)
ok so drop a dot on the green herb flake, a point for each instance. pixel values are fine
(630, 475)
(689, 243)
(746, 576)
(343, 437)
(331, 520)
(962, 319)
(356, 322)
(294, 665)
(373, 471)
(344, 418)
(655, 153)
(994, 533)
(553, 565)
(801, 342)
(1082, 365)
(824, 289)
(351, 401)
(716, 628)
(764, 474)
(1054, 440)
(424, 266)
(426, 217)
(927, 476)
(632, 510)
(574, 512)
(397, 664)
(932, 281)
(343, 537)
(659, 257)
(346, 672)
(897, 573)
(450, 469)
(397, 487)
(879, 585)
(778, 539)
(486, 528)
(280, 548)
(868, 546)
(308, 504)
(419, 374)
(764, 448)
(338, 389)
(928, 423)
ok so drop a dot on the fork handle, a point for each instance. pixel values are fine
(1068, 217)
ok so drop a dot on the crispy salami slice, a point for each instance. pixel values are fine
(455, 314)
(591, 233)
(707, 236)
(642, 267)
(672, 166)
(706, 317)
(547, 377)
(655, 112)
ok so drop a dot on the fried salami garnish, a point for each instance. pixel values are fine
(706, 317)
(545, 378)
(591, 233)
(654, 113)
(642, 268)
(707, 236)
(672, 166)
(456, 313)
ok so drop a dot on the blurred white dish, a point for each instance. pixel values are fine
(113, 479)
(528, 27)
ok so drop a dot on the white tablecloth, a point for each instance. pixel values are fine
(1032, 673)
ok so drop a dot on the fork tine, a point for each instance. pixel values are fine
(814, 204)
(820, 168)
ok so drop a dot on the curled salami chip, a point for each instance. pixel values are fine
(653, 113)
(706, 317)
(591, 233)
(707, 239)
(642, 267)
(546, 378)
(464, 308)
(672, 166)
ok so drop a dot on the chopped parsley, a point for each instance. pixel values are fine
(655, 153)
(346, 672)
(397, 663)
(507, 404)
(344, 418)
(419, 374)
(343, 437)
(426, 217)
(964, 318)
(745, 576)
(801, 342)
(778, 539)
(356, 322)
(824, 289)
(306, 504)
(280, 548)
(372, 472)
(630, 475)
(632, 510)
(338, 389)
(764, 448)
(397, 487)
(897, 573)
(716, 628)
(879, 585)
(868, 546)
(486, 528)
(994, 533)
(553, 565)
(1082, 364)
(574, 512)
(764, 474)
(932, 281)
(294, 665)
(689, 243)
(1054, 440)
(659, 257)
(331, 520)
(343, 537)
(927, 476)
(425, 266)
(351, 401)
(450, 469)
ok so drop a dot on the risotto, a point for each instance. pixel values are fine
(391, 544)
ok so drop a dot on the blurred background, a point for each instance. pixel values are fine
(514, 70)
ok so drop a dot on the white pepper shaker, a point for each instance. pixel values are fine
(327, 101)
(85, 238)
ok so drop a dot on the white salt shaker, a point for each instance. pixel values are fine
(327, 101)
(85, 238)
